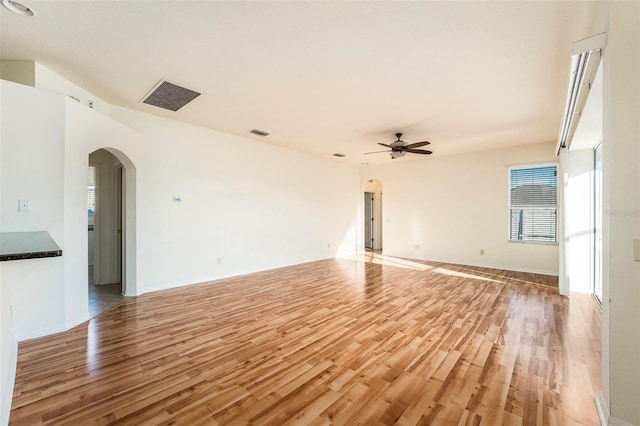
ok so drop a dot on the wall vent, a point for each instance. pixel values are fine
(259, 132)
(169, 96)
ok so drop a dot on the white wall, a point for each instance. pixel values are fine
(32, 168)
(7, 341)
(246, 206)
(8, 345)
(7, 350)
(249, 205)
(86, 131)
(46, 79)
(449, 208)
(44, 160)
(621, 220)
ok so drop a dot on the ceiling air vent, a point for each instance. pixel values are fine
(259, 132)
(169, 96)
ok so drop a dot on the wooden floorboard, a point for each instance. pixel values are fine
(363, 340)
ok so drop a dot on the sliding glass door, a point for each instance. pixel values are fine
(597, 215)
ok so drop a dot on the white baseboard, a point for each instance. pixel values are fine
(51, 329)
(208, 279)
(76, 321)
(509, 268)
(41, 332)
(603, 409)
(603, 413)
(617, 422)
(178, 284)
(34, 334)
(348, 254)
(5, 404)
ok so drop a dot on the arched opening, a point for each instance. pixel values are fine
(111, 208)
(373, 216)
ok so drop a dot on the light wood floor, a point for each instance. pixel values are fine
(368, 340)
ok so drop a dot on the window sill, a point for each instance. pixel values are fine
(538, 243)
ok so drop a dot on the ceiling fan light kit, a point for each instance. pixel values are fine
(399, 148)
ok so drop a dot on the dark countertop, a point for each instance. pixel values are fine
(27, 245)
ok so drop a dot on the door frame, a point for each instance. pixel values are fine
(374, 186)
(118, 232)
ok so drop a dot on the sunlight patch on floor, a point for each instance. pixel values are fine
(385, 260)
(444, 271)
(381, 259)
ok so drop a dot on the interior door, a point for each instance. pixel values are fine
(368, 220)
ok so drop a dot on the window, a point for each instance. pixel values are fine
(91, 187)
(533, 204)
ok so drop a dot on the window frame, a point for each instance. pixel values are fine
(95, 184)
(509, 207)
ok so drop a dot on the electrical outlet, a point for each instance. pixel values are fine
(24, 205)
(417, 246)
(219, 261)
(481, 252)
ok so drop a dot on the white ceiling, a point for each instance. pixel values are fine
(323, 77)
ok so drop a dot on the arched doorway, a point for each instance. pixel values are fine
(373, 216)
(107, 234)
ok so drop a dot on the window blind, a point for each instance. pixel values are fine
(533, 204)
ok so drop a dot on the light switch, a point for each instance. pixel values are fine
(24, 205)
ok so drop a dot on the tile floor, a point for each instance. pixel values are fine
(103, 297)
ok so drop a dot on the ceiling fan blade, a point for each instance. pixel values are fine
(418, 144)
(375, 152)
(418, 151)
(384, 144)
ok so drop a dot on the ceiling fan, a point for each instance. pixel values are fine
(399, 148)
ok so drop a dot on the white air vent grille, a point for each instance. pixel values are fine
(169, 96)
